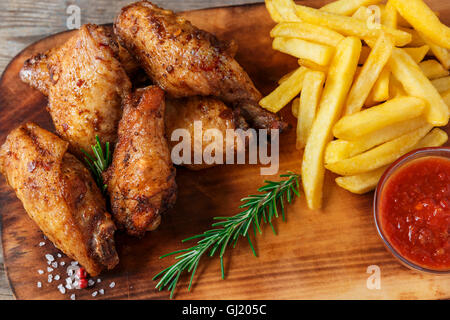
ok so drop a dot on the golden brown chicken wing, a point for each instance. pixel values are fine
(85, 83)
(209, 113)
(60, 195)
(141, 179)
(186, 61)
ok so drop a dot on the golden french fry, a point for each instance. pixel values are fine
(418, 53)
(307, 31)
(368, 181)
(370, 72)
(337, 85)
(350, 26)
(361, 183)
(380, 91)
(440, 53)
(318, 53)
(342, 149)
(286, 10)
(433, 69)
(312, 65)
(285, 92)
(423, 19)
(389, 15)
(347, 7)
(446, 96)
(309, 101)
(362, 13)
(295, 106)
(441, 84)
(286, 76)
(379, 156)
(416, 84)
(396, 88)
(416, 40)
(353, 126)
(274, 14)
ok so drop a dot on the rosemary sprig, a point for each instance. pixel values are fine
(258, 208)
(99, 162)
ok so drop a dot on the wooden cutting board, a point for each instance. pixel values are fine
(316, 255)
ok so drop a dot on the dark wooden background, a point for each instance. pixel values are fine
(23, 22)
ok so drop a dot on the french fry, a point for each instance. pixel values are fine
(337, 85)
(295, 106)
(286, 10)
(441, 84)
(318, 53)
(396, 88)
(440, 53)
(380, 91)
(309, 101)
(285, 92)
(423, 19)
(368, 181)
(286, 76)
(379, 156)
(362, 13)
(417, 53)
(446, 96)
(361, 183)
(370, 72)
(416, 40)
(433, 69)
(342, 149)
(347, 7)
(416, 84)
(353, 126)
(312, 65)
(349, 26)
(307, 31)
(389, 15)
(274, 14)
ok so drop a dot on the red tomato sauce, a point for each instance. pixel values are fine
(414, 212)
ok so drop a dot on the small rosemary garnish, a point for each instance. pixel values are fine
(258, 208)
(99, 163)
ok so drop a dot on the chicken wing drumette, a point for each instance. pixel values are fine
(85, 83)
(141, 179)
(59, 194)
(186, 61)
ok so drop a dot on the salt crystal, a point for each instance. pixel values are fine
(74, 263)
(62, 289)
(70, 272)
(50, 278)
(49, 257)
(55, 264)
(59, 255)
(45, 238)
(62, 263)
(91, 282)
(49, 262)
(57, 277)
(94, 293)
(99, 280)
(101, 291)
(69, 286)
(41, 271)
(72, 297)
(69, 281)
(49, 269)
(39, 284)
(41, 244)
(112, 284)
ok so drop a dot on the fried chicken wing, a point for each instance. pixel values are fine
(85, 83)
(209, 113)
(141, 178)
(60, 195)
(186, 61)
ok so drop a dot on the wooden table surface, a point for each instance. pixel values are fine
(23, 22)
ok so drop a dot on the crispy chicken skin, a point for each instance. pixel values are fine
(86, 86)
(60, 195)
(211, 113)
(186, 61)
(141, 179)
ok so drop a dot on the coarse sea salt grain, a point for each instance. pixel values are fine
(112, 284)
(57, 277)
(39, 284)
(94, 293)
(99, 280)
(62, 263)
(91, 282)
(101, 291)
(59, 255)
(49, 257)
(49, 269)
(72, 297)
(61, 289)
(50, 278)
(41, 244)
(74, 263)
(55, 264)
(41, 271)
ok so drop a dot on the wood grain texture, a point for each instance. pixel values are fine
(316, 255)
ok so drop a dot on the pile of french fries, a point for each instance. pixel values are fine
(372, 84)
